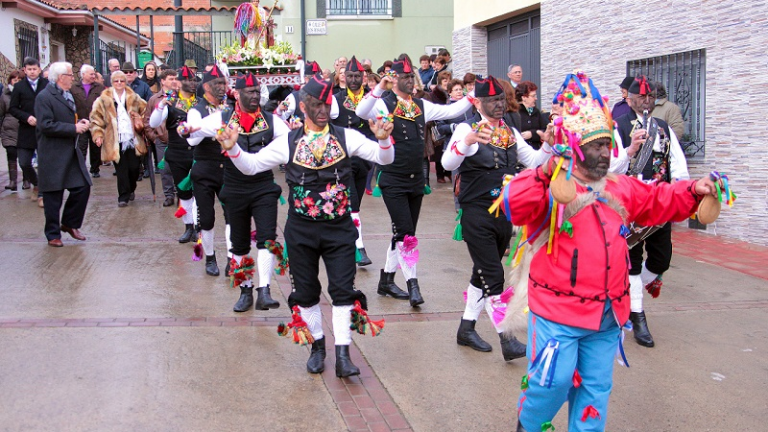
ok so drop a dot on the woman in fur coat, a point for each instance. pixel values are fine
(116, 127)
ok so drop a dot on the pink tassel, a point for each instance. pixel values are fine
(410, 243)
(253, 236)
(465, 296)
(507, 295)
(408, 250)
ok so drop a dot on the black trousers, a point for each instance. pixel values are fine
(437, 159)
(333, 241)
(127, 172)
(179, 161)
(25, 163)
(74, 210)
(487, 238)
(659, 248)
(208, 177)
(360, 168)
(12, 155)
(257, 202)
(85, 144)
(402, 195)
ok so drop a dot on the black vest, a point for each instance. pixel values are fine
(409, 139)
(348, 119)
(208, 148)
(251, 142)
(482, 174)
(175, 116)
(319, 193)
(657, 166)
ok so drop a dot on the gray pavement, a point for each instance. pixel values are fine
(708, 371)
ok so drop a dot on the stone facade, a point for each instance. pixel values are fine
(77, 50)
(470, 51)
(734, 36)
(6, 67)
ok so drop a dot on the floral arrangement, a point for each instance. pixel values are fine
(279, 58)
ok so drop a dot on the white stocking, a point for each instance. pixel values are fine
(646, 275)
(341, 322)
(635, 293)
(391, 265)
(359, 225)
(475, 303)
(207, 236)
(489, 303)
(313, 316)
(409, 272)
(227, 231)
(266, 263)
(189, 207)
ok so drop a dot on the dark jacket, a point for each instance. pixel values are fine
(9, 125)
(59, 161)
(85, 104)
(532, 122)
(621, 108)
(141, 88)
(446, 127)
(426, 75)
(22, 107)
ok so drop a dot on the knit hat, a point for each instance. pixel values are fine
(626, 82)
(585, 114)
(320, 89)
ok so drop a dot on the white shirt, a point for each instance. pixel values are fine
(292, 106)
(525, 153)
(372, 104)
(678, 166)
(210, 125)
(277, 152)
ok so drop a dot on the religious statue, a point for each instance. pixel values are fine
(255, 25)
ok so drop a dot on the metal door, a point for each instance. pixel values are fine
(516, 41)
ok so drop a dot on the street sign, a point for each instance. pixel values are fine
(317, 27)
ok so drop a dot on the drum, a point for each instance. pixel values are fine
(639, 233)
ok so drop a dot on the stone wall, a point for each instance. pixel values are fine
(470, 51)
(6, 67)
(77, 50)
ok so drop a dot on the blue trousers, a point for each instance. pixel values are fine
(588, 352)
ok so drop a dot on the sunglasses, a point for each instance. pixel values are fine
(118, 81)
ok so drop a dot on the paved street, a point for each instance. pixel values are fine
(124, 332)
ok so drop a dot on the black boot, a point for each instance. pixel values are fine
(511, 348)
(387, 286)
(211, 266)
(344, 365)
(13, 175)
(189, 234)
(264, 300)
(414, 293)
(25, 184)
(364, 260)
(245, 301)
(640, 329)
(520, 427)
(467, 336)
(226, 269)
(316, 362)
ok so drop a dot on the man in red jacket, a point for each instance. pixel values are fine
(578, 288)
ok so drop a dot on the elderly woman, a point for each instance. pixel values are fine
(9, 129)
(116, 127)
(530, 115)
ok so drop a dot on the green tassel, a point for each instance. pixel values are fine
(457, 234)
(567, 227)
(427, 189)
(513, 249)
(161, 164)
(524, 383)
(377, 189)
(185, 184)
(358, 255)
(548, 426)
(282, 200)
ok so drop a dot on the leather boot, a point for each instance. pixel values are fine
(520, 427)
(13, 175)
(264, 300)
(316, 362)
(640, 329)
(25, 184)
(245, 301)
(189, 234)
(344, 365)
(211, 266)
(511, 348)
(387, 287)
(364, 260)
(226, 269)
(467, 336)
(414, 293)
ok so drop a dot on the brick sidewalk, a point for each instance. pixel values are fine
(732, 254)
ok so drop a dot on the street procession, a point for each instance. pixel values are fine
(416, 242)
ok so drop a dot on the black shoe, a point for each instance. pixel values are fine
(640, 329)
(520, 427)
(264, 300)
(511, 348)
(387, 287)
(467, 336)
(316, 362)
(25, 185)
(211, 267)
(122, 204)
(414, 293)
(114, 173)
(140, 178)
(344, 365)
(226, 269)
(146, 174)
(189, 234)
(132, 196)
(364, 260)
(245, 301)
(95, 175)
(168, 202)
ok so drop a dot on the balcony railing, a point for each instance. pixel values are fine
(358, 7)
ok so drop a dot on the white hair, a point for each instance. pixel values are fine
(113, 60)
(57, 69)
(86, 68)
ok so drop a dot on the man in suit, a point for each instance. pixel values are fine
(23, 108)
(62, 166)
(85, 93)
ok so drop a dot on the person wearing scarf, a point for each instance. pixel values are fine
(343, 114)
(113, 117)
(150, 76)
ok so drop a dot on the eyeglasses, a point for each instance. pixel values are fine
(118, 81)
(69, 75)
(129, 72)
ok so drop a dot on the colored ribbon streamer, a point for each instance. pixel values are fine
(621, 357)
(590, 412)
(546, 360)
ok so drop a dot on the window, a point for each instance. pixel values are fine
(364, 8)
(683, 74)
(27, 41)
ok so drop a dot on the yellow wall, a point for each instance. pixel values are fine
(473, 12)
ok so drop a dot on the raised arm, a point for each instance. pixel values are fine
(208, 126)
(158, 116)
(661, 202)
(371, 103)
(529, 156)
(381, 152)
(457, 148)
(274, 154)
(443, 112)
(678, 166)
